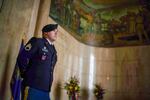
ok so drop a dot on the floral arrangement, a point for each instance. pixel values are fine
(72, 88)
(98, 92)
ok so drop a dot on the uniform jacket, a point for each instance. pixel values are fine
(36, 62)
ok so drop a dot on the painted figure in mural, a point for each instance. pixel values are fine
(146, 14)
(59, 10)
(140, 27)
(131, 22)
(75, 21)
(36, 63)
(97, 21)
(68, 11)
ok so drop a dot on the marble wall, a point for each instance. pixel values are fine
(124, 71)
(17, 18)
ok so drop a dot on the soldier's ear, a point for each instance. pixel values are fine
(45, 34)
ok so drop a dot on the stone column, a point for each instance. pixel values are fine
(43, 16)
(17, 18)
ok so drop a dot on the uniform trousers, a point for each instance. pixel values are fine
(30, 93)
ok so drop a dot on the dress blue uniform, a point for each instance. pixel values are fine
(37, 61)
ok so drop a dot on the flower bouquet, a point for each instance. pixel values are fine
(98, 92)
(72, 88)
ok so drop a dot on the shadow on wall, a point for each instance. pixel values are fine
(57, 93)
(84, 95)
(4, 80)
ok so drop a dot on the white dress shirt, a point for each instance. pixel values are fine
(50, 42)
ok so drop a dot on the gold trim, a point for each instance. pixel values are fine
(26, 93)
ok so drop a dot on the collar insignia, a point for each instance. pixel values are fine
(44, 49)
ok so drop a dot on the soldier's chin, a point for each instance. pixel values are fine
(53, 39)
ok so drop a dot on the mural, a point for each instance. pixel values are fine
(104, 23)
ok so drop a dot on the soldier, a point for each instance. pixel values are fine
(36, 63)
